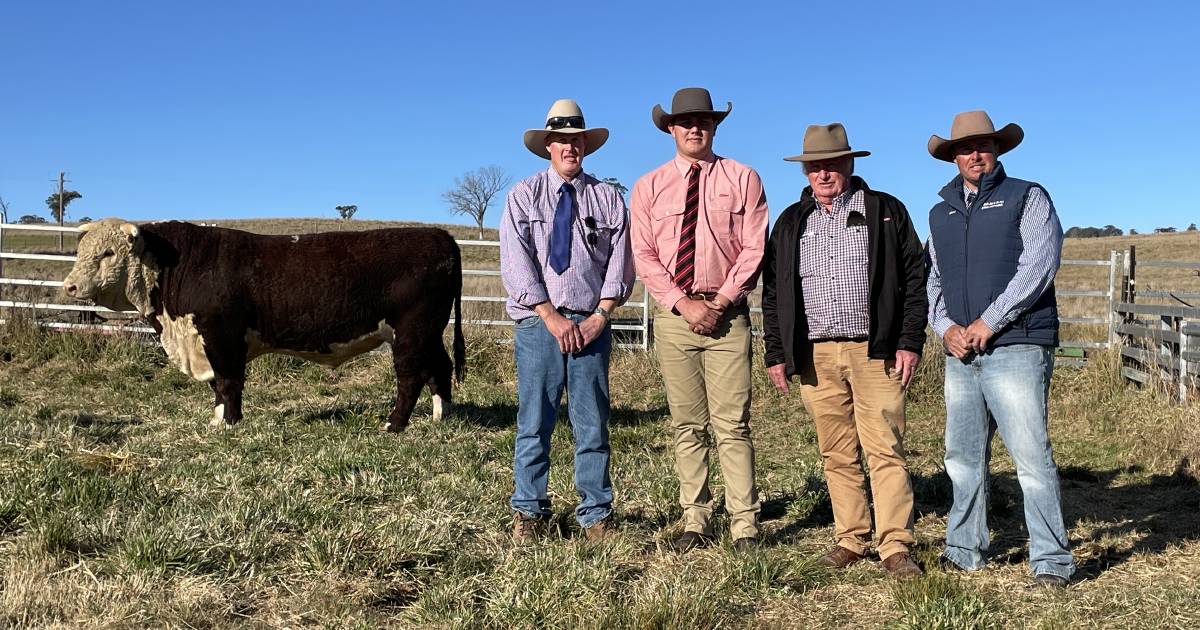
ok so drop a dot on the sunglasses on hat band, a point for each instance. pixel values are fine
(561, 122)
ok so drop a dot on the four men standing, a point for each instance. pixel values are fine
(845, 307)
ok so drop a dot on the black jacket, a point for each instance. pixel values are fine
(898, 304)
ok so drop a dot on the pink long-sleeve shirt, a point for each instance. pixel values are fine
(731, 231)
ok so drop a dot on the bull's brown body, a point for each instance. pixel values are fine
(324, 297)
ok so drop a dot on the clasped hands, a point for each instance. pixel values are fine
(702, 316)
(962, 341)
(573, 337)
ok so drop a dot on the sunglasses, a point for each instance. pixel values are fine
(590, 222)
(561, 122)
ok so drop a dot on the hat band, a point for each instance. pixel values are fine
(565, 122)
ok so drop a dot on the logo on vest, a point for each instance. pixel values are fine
(992, 204)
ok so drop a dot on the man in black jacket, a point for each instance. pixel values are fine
(844, 307)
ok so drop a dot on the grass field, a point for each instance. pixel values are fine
(120, 508)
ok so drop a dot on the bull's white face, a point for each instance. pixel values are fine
(107, 254)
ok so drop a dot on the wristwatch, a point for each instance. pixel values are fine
(601, 312)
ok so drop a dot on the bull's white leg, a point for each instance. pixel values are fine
(439, 407)
(218, 421)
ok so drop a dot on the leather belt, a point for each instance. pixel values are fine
(706, 296)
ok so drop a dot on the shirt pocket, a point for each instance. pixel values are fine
(539, 238)
(668, 218)
(809, 253)
(599, 238)
(855, 254)
(726, 213)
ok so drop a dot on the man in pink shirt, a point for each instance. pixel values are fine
(699, 227)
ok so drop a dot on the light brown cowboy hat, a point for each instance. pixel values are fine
(565, 117)
(688, 101)
(825, 142)
(972, 125)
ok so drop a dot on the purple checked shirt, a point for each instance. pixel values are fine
(601, 260)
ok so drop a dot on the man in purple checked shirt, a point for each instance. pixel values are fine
(566, 264)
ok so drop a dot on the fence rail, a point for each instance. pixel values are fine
(1160, 343)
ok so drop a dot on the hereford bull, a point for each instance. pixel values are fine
(220, 297)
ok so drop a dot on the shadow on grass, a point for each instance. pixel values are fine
(341, 412)
(504, 415)
(1158, 509)
(109, 431)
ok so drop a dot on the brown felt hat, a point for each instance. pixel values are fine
(825, 142)
(691, 100)
(973, 125)
(565, 116)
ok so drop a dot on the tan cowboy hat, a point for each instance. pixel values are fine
(971, 125)
(825, 142)
(688, 101)
(565, 117)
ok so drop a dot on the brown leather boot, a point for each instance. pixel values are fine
(527, 529)
(839, 558)
(901, 566)
(600, 529)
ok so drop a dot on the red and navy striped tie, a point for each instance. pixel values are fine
(685, 258)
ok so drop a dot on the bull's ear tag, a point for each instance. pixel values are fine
(129, 229)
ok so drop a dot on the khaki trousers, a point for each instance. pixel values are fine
(857, 404)
(708, 388)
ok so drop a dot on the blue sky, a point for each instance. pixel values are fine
(265, 109)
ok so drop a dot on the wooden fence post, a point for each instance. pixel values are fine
(1184, 378)
(1112, 297)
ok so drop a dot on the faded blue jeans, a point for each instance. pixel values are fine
(543, 372)
(1005, 388)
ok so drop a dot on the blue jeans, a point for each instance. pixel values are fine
(1005, 388)
(543, 372)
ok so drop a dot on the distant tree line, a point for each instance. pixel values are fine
(1109, 230)
(1093, 232)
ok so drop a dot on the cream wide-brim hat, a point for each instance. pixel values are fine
(974, 125)
(826, 142)
(535, 139)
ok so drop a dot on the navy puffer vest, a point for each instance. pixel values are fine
(977, 251)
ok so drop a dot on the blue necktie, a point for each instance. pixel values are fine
(560, 238)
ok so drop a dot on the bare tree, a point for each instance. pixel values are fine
(473, 193)
(346, 212)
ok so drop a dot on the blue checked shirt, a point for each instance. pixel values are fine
(831, 254)
(1040, 256)
(601, 259)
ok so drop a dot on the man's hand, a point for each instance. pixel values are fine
(906, 361)
(778, 374)
(956, 342)
(591, 328)
(700, 317)
(978, 334)
(570, 339)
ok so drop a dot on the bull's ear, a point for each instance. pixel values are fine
(130, 230)
(86, 227)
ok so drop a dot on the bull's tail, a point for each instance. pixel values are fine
(460, 346)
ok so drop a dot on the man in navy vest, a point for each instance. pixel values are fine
(994, 247)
